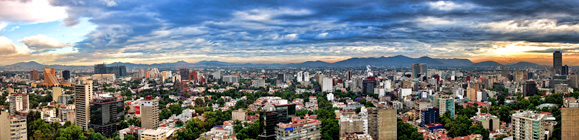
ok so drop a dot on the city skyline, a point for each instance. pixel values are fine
(92, 32)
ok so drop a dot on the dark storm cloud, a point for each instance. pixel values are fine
(254, 28)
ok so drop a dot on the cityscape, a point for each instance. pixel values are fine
(299, 70)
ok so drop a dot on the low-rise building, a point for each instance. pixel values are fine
(307, 128)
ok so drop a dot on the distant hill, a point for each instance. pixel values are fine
(393, 61)
(487, 64)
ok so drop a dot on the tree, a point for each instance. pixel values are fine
(97, 136)
(179, 123)
(505, 113)
(479, 129)
(406, 131)
(124, 124)
(130, 137)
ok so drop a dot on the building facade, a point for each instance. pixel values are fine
(528, 125)
(308, 128)
(382, 124)
(81, 101)
(150, 113)
(105, 115)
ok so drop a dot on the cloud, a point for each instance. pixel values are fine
(34, 11)
(7, 48)
(42, 42)
(161, 31)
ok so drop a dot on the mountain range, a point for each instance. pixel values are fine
(393, 61)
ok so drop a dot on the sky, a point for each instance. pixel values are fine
(85, 32)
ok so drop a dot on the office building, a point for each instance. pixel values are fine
(557, 62)
(184, 73)
(66, 74)
(368, 86)
(56, 93)
(50, 77)
(231, 78)
(530, 88)
(217, 74)
(565, 70)
(81, 101)
(12, 127)
(528, 125)
(150, 113)
(193, 76)
(424, 69)
(570, 119)
(327, 85)
(429, 115)
(105, 115)
(349, 75)
(415, 70)
(280, 79)
(562, 88)
(274, 114)
(34, 75)
(308, 128)
(382, 124)
(18, 103)
(573, 80)
(119, 71)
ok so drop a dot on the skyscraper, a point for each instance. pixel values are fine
(81, 101)
(565, 70)
(119, 71)
(18, 103)
(306, 76)
(105, 114)
(505, 72)
(66, 74)
(569, 118)
(557, 62)
(184, 72)
(275, 114)
(150, 113)
(34, 75)
(530, 88)
(415, 70)
(528, 125)
(423, 69)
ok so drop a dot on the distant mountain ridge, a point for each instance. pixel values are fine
(393, 61)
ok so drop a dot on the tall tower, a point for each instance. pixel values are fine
(300, 76)
(424, 69)
(415, 70)
(150, 113)
(557, 62)
(81, 101)
(34, 75)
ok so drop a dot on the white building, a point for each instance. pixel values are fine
(231, 78)
(306, 76)
(327, 85)
(300, 76)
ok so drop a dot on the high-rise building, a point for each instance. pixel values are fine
(573, 80)
(66, 74)
(34, 75)
(275, 114)
(217, 74)
(306, 76)
(105, 115)
(184, 72)
(368, 86)
(530, 88)
(350, 124)
(19, 103)
(424, 69)
(12, 127)
(557, 62)
(327, 85)
(415, 70)
(193, 76)
(349, 75)
(308, 128)
(81, 101)
(56, 92)
(445, 103)
(528, 125)
(50, 77)
(119, 71)
(570, 119)
(280, 78)
(565, 70)
(382, 124)
(300, 76)
(150, 113)
(429, 115)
